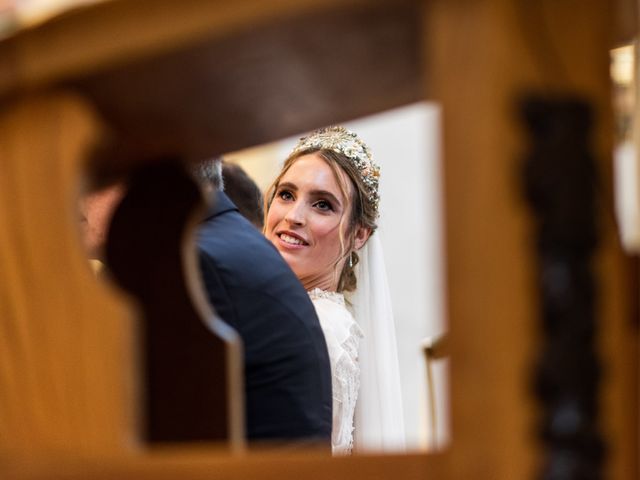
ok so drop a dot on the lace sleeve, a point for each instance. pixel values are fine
(345, 382)
(342, 335)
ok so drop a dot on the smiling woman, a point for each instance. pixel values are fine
(404, 143)
(306, 221)
(322, 209)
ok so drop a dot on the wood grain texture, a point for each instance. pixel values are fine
(67, 366)
(206, 464)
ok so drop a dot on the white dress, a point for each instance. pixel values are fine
(342, 335)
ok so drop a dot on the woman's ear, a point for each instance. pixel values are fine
(361, 236)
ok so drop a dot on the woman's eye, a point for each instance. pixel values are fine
(285, 195)
(324, 205)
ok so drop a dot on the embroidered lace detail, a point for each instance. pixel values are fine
(352, 343)
(342, 335)
(346, 384)
(317, 293)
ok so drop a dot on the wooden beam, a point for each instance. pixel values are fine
(205, 463)
(262, 84)
(120, 31)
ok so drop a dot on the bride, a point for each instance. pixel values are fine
(321, 214)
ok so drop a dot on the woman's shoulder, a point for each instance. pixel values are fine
(330, 305)
(333, 314)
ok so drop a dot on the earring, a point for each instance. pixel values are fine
(351, 260)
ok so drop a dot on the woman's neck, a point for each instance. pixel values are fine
(325, 283)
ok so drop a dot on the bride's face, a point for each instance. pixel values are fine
(304, 221)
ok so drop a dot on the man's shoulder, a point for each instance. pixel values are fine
(240, 251)
(260, 287)
(230, 231)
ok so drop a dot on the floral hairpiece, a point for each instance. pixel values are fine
(340, 140)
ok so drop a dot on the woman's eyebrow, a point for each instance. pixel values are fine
(325, 193)
(287, 185)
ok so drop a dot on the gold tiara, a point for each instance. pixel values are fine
(340, 140)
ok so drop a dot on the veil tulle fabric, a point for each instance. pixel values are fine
(379, 422)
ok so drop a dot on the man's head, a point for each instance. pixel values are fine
(244, 193)
(209, 174)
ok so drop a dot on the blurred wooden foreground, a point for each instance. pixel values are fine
(198, 78)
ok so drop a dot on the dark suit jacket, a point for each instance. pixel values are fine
(287, 372)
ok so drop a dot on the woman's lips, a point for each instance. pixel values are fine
(291, 240)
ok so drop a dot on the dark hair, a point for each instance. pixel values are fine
(362, 213)
(209, 172)
(244, 192)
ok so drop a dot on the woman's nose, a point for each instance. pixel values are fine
(295, 215)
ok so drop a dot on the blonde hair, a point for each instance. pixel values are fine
(362, 213)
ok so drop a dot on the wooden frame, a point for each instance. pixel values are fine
(480, 56)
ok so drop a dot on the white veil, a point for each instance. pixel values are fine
(379, 421)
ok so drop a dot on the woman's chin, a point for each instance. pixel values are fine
(291, 260)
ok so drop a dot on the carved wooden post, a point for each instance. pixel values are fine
(561, 184)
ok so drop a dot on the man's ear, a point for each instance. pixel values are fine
(361, 236)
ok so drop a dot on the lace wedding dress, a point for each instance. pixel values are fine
(342, 335)
(360, 336)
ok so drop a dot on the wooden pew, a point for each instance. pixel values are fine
(69, 380)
